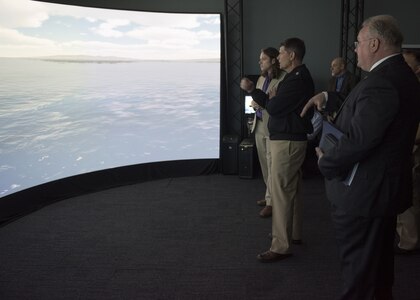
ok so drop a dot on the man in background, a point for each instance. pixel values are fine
(341, 81)
(408, 223)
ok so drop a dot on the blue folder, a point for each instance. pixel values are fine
(329, 139)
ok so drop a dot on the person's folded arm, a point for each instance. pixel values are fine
(260, 97)
(290, 97)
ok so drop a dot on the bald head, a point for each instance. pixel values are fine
(338, 66)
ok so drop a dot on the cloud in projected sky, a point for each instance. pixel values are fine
(30, 28)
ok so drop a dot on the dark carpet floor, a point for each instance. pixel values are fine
(180, 238)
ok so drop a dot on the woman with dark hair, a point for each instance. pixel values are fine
(271, 75)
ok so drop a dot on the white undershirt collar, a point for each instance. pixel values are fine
(381, 60)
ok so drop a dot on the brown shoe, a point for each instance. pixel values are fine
(266, 212)
(261, 202)
(270, 256)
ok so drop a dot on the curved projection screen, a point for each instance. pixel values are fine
(86, 89)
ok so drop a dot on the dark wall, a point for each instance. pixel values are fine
(268, 22)
(407, 13)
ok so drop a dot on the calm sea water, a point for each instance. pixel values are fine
(61, 119)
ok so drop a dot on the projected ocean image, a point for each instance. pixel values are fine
(61, 119)
(72, 105)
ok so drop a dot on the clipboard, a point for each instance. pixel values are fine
(329, 139)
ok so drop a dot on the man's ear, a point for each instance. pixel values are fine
(374, 45)
(292, 55)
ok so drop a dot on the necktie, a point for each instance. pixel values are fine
(266, 84)
(264, 89)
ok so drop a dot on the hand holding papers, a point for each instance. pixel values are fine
(329, 139)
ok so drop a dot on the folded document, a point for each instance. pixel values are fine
(329, 139)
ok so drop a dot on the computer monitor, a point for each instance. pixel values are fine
(248, 109)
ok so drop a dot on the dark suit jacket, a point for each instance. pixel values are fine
(348, 84)
(284, 108)
(379, 119)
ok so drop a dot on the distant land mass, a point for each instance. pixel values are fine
(110, 59)
(85, 59)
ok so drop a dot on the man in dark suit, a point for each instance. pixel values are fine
(379, 120)
(341, 81)
(288, 140)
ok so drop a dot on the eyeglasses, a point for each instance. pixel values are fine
(357, 43)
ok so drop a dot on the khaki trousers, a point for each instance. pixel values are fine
(262, 141)
(408, 223)
(287, 158)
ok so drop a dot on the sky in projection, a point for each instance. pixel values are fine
(31, 28)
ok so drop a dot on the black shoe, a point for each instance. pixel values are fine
(270, 256)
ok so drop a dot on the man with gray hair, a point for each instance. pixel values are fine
(378, 120)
